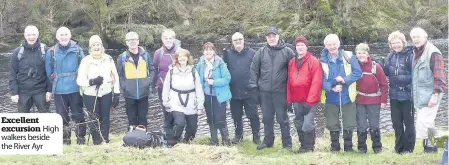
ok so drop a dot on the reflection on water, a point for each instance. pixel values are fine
(119, 121)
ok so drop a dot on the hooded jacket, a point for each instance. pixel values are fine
(221, 77)
(66, 62)
(183, 81)
(269, 69)
(135, 81)
(371, 83)
(28, 76)
(239, 64)
(337, 68)
(304, 82)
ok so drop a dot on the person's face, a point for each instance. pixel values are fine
(397, 45)
(168, 41)
(132, 42)
(183, 60)
(238, 42)
(209, 53)
(301, 49)
(63, 38)
(362, 55)
(96, 48)
(332, 46)
(31, 36)
(272, 39)
(418, 40)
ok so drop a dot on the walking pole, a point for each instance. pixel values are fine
(213, 129)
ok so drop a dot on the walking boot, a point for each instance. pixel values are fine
(225, 136)
(429, 147)
(377, 143)
(308, 142)
(237, 139)
(256, 139)
(171, 141)
(66, 135)
(347, 137)
(361, 141)
(80, 133)
(335, 143)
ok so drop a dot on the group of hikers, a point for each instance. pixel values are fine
(276, 77)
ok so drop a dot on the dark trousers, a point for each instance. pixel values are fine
(305, 125)
(250, 105)
(73, 104)
(190, 122)
(216, 117)
(275, 104)
(403, 116)
(137, 111)
(168, 118)
(370, 113)
(99, 117)
(39, 100)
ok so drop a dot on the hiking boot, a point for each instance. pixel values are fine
(347, 137)
(256, 139)
(81, 141)
(361, 142)
(66, 135)
(263, 146)
(237, 139)
(375, 137)
(335, 144)
(288, 148)
(308, 142)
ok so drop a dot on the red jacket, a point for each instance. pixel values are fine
(304, 84)
(368, 84)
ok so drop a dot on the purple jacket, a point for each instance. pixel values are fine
(161, 64)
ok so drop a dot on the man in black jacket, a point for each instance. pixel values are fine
(269, 76)
(27, 79)
(238, 60)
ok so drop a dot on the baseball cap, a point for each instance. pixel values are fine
(273, 30)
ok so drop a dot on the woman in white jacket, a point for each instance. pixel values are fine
(183, 97)
(98, 78)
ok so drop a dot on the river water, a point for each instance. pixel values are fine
(119, 121)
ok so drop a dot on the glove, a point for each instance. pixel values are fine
(15, 98)
(116, 100)
(305, 109)
(96, 81)
(290, 107)
(48, 96)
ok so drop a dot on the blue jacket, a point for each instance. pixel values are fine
(337, 69)
(398, 67)
(66, 61)
(221, 76)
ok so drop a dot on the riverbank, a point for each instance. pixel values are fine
(200, 153)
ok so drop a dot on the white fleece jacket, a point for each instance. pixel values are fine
(91, 68)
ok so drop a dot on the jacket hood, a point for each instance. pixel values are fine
(281, 44)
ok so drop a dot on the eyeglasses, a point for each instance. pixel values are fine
(132, 40)
(238, 39)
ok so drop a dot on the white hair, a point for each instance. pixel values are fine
(63, 29)
(29, 29)
(331, 37)
(168, 33)
(236, 35)
(131, 35)
(417, 31)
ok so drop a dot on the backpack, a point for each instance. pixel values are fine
(145, 56)
(185, 91)
(141, 139)
(53, 59)
(22, 49)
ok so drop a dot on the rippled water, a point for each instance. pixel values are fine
(119, 121)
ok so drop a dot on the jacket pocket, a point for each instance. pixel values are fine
(144, 87)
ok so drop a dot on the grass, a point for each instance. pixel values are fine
(244, 153)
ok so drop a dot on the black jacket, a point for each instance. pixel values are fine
(270, 68)
(27, 76)
(239, 66)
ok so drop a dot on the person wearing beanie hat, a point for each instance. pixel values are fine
(135, 71)
(61, 64)
(98, 78)
(303, 91)
(269, 71)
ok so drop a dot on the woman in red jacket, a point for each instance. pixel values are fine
(372, 92)
(303, 91)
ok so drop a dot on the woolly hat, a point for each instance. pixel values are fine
(301, 39)
(95, 39)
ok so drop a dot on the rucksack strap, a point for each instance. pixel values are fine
(183, 91)
(41, 47)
